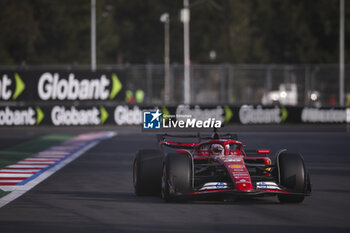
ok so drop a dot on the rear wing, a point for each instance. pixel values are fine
(163, 139)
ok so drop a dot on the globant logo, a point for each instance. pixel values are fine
(250, 115)
(24, 117)
(52, 87)
(152, 120)
(125, 116)
(6, 91)
(60, 115)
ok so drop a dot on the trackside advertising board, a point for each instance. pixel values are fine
(85, 98)
(157, 117)
(61, 85)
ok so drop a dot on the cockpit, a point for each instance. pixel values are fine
(219, 149)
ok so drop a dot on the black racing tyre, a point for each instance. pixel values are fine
(176, 177)
(292, 175)
(147, 172)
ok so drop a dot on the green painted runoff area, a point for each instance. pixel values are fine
(31, 147)
(3, 193)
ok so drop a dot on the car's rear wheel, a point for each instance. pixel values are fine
(293, 176)
(147, 172)
(176, 178)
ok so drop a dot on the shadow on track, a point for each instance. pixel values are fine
(124, 197)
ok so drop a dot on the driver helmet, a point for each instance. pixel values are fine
(217, 149)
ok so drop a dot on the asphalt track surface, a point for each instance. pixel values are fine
(94, 193)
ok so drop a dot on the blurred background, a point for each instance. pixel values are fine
(240, 52)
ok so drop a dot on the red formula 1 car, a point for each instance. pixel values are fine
(218, 166)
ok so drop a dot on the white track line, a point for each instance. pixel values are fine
(54, 153)
(50, 157)
(38, 159)
(25, 166)
(20, 170)
(34, 162)
(10, 181)
(14, 175)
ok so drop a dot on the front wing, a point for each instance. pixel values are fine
(235, 192)
(229, 191)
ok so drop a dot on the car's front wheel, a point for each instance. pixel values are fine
(147, 172)
(293, 176)
(176, 177)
